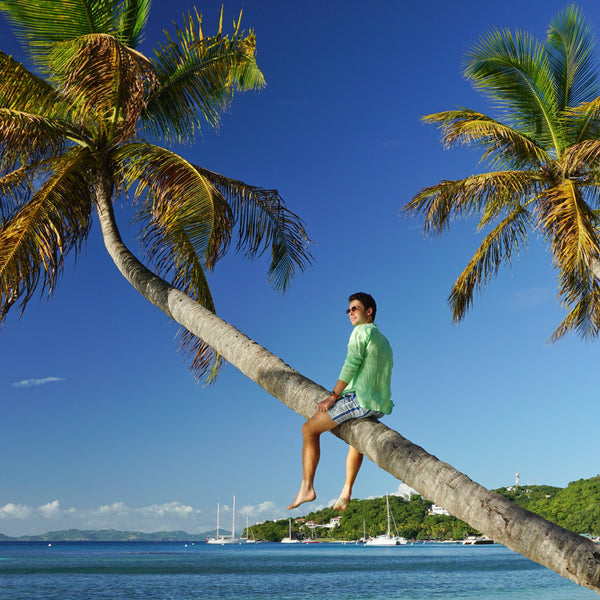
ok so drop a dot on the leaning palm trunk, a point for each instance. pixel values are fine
(563, 551)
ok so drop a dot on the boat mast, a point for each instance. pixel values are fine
(233, 520)
(218, 509)
(387, 505)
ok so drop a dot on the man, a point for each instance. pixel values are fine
(362, 391)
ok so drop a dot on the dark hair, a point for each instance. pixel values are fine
(367, 301)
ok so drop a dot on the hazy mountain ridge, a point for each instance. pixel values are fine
(112, 535)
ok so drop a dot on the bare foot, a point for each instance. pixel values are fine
(301, 498)
(341, 504)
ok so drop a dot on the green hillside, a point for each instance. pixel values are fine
(411, 518)
(576, 507)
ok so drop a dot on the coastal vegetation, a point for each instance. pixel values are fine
(77, 137)
(369, 517)
(576, 507)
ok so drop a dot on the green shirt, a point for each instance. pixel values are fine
(368, 368)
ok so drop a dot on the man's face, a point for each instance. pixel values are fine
(359, 314)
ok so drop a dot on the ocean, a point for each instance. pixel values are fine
(180, 571)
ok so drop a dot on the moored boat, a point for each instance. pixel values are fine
(290, 539)
(387, 539)
(222, 540)
(474, 540)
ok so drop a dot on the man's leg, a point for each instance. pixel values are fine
(311, 452)
(353, 463)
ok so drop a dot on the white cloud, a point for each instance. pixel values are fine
(404, 491)
(50, 510)
(255, 510)
(35, 382)
(117, 509)
(175, 509)
(15, 511)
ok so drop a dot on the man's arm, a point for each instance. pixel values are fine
(326, 404)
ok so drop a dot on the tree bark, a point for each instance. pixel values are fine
(563, 551)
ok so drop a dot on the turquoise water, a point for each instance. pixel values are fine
(174, 571)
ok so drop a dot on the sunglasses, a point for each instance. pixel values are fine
(352, 309)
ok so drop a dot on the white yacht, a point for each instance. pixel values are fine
(387, 539)
(290, 539)
(222, 540)
(249, 540)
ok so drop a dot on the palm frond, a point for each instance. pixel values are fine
(29, 138)
(186, 226)
(591, 195)
(104, 78)
(205, 363)
(501, 144)
(194, 208)
(42, 23)
(496, 248)
(198, 76)
(263, 222)
(583, 121)
(489, 193)
(132, 16)
(583, 160)
(571, 51)
(15, 190)
(579, 292)
(178, 201)
(36, 239)
(20, 89)
(571, 228)
(173, 251)
(514, 70)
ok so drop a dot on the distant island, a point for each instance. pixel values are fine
(112, 535)
(576, 507)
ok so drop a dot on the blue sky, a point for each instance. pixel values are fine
(102, 425)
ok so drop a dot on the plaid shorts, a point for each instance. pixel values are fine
(347, 408)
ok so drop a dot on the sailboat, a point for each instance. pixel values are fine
(249, 540)
(222, 539)
(290, 539)
(386, 539)
(364, 538)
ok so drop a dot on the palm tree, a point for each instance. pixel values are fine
(68, 157)
(544, 155)
(83, 133)
(563, 551)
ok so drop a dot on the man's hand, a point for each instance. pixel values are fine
(326, 404)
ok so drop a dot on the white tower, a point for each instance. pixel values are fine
(517, 480)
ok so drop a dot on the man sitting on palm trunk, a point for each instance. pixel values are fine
(362, 391)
